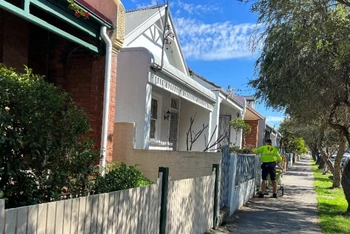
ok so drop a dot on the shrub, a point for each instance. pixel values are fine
(247, 149)
(239, 124)
(120, 177)
(42, 150)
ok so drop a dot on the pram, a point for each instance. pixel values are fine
(279, 175)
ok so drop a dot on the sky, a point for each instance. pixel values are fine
(215, 39)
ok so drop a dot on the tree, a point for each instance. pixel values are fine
(240, 125)
(300, 146)
(43, 151)
(304, 66)
(192, 136)
(288, 137)
(345, 181)
(290, 141)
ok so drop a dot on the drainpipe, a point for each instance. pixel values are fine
(106, 98)
(243, 114)
(244, 108)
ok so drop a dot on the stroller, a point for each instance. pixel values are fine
(279, 175)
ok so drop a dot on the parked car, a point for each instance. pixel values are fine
(343, 161)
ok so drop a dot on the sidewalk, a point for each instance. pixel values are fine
(295, 212)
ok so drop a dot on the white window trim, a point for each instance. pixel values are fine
(178, 123)
(159, 98)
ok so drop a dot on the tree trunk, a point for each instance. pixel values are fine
(313, 153)
(314, 157)
(345, 182)
(340, 153)
(325, 168)
(319, 159)
(321, 163)
(325, 157)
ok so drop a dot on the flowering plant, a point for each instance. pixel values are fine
(77, 9)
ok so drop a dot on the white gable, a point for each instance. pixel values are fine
(150, 35)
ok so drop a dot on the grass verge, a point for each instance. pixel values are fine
(331, 204)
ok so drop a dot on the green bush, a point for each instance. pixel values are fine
(248, 149)
(42, 150)
(119, 176)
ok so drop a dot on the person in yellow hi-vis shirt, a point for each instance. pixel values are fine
(269, 156)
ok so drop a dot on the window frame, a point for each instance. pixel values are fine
(158, 124)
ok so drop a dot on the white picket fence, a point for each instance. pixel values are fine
(191, 205)
(129, 211)
(134, 211)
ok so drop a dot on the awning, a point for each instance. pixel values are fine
(59, 9)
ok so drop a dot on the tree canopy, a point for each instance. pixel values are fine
(304, 67)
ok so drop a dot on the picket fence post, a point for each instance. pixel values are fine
(2, 216)
(216, 169)
(164, 199)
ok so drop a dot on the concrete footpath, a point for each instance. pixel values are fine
(295, 212)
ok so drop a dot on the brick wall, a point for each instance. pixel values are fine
(76, 69)
(2, 23)
(85, 80)
(14, 41)
(252, 137)
(181, 164)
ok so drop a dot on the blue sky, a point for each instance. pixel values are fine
(214, 37)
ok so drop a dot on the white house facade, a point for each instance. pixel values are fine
(273, 134)
(227, 108)
(154, 87)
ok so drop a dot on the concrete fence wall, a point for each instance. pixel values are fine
(181, 164)
(240, 177)
(246, 177)
(191, 205)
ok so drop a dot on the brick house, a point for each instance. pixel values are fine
(257, 122)
(69, 51)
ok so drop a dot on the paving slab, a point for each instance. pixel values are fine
(295, 212)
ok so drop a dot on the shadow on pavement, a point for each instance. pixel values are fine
(295, 212)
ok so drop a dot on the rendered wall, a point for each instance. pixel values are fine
(189, 110)
(235, 139)
(132, 78)
(181, 164)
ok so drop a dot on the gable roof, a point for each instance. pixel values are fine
(210, 83)
(254, 112)
(135, 18)
(140, 19)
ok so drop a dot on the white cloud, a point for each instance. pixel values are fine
(195, 8)
(217, 41)
(148, 4)
(274, 119)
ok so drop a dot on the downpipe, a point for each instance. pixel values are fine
(107, 86)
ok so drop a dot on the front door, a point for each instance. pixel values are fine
(174, 123)
(224, 129)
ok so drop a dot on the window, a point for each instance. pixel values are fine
(174, 104)
(154, 118)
